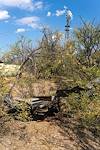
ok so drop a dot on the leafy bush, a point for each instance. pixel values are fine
(23, 112)
(84, 107)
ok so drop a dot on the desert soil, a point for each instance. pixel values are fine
(41, 135)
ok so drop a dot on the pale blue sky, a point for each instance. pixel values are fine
(28, 16)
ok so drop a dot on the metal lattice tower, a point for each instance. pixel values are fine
(68, 21)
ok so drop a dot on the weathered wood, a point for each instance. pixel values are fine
(52, 103)
(41, 102)
(43, 106)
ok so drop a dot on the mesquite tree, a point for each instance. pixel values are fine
(88, 37)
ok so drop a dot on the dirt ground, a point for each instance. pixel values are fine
(43, 135)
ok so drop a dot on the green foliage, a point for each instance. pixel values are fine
(84, 107)
(3, 91)
(88, 37)
(96, 58)
(4, 88)
(23, 112)
(18, 51)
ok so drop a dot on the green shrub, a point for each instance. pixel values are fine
(84, 108)
(23, 112)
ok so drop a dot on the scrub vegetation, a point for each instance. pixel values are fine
(70, 64)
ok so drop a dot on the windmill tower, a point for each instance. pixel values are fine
(68, 22)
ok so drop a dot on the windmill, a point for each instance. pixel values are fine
(68, 22)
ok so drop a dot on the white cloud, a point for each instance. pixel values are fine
(23, 4)
(35, 26)
(38, 5)
(49, 14)
(20, 30)
(30, 21)
(4, 15)
(60, 12)
(63, 11)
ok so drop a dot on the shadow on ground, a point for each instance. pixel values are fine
(87, 140)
